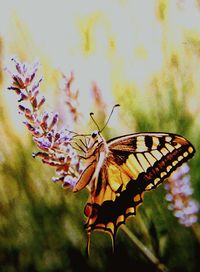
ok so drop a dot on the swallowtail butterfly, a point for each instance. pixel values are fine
(119, 171)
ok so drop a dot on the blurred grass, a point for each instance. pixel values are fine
(41, 226)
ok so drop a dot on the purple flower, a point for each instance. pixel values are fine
(43, 143)
(69, 181)
(179, 195)
(25, 74)
(55, 145)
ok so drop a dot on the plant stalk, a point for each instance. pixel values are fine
(146, 252)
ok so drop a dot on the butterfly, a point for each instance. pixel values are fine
(119, 171)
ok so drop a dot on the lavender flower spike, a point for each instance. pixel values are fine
(55, 145)
(179, 195)
(25, 74)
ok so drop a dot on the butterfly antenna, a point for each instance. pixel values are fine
(117, 105)
(75, 133)
(91, 115)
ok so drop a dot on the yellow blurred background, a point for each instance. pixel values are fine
(118, 44)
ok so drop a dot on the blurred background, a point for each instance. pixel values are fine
(144, 55)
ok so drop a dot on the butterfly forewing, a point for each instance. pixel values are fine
(135, 163)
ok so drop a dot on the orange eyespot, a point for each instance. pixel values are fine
(90, 210)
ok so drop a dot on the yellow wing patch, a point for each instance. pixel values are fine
(134, 166)
(117, 177)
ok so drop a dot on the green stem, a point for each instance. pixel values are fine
(144, 249)
(196, 230)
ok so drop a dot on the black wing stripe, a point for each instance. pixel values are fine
(148, 142)
(162, 142)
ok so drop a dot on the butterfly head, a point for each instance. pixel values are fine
(95, 139)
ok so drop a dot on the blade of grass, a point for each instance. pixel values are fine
(146, 252)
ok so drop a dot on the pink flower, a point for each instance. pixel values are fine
(71, 97)
(97, 96)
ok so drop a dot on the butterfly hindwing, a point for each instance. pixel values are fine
(111, 206)
(136, 163)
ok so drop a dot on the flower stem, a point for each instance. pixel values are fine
(196, 230)
(144, 249)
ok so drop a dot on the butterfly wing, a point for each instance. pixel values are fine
(136, 163)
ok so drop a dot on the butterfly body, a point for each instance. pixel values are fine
(95, 155)
(119, 171)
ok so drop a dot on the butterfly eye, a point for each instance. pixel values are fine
(94, 134)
